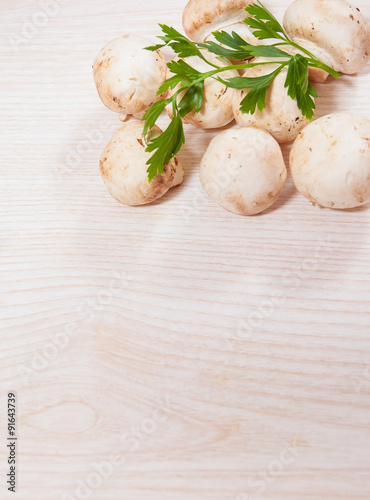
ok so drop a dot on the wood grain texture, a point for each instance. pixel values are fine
(236, 351)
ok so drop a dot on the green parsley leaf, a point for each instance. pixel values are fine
(299, 87)
(297, 74)
(268, 51)
(152, 114)
(193, 99)
(222, 51)
(243, 82)
(256, 97)
(239, 48)
(165, 146)
(178, 42)
(183, 69)
(232, 40)
(172, 82)
(153, 48)
(264, 23)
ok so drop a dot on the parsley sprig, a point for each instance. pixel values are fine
(189, 83)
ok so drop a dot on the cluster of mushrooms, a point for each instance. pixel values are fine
(243, 168)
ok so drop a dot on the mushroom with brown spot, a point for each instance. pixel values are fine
(330, 161)
(333, 30)
(243, 170)
(281, 116)
(123, 167)
(127, 76)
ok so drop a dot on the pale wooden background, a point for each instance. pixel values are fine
(168, 330)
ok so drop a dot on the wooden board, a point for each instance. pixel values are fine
(235, 350)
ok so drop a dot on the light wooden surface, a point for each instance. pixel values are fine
(253, 334)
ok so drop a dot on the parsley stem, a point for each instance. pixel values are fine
(318, 64)
(208, 62)
(250, 65)
(211, 74)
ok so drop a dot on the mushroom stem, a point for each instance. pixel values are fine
(139, 115)
(179, 177)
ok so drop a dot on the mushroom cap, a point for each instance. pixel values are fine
(127, 76)
(281, 116)
(201, 17)
(124, 170)
(243, 170)
(330, 161)
(333, 30)
(217, 110)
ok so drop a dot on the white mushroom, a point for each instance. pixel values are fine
(127, 76)
(202, 17)
(281, 116)
(330, 161)
(243, 170)
(333, 30)
(124, 170)
(217, 110)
